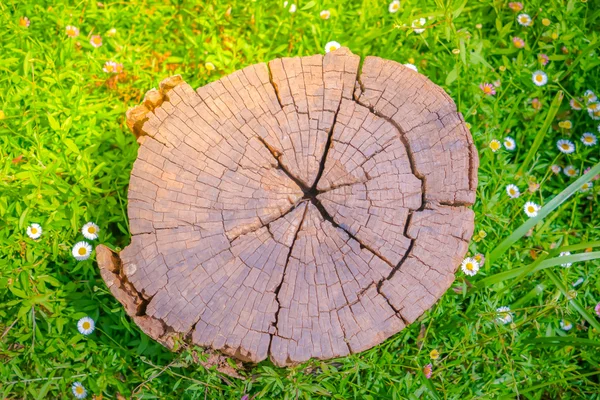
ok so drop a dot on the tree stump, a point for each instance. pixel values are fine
(295, 209)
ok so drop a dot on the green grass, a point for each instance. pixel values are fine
(66, 155)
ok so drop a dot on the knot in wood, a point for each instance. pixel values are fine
(295, 209)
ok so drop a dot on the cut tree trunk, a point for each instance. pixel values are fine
(295, 209)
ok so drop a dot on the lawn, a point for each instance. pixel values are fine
(70, 70)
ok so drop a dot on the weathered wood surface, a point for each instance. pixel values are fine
(294, 209)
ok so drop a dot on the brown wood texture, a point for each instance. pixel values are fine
(295, 209)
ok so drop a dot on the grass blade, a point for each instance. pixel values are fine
(547, 209)
(580, 309)
(539, 138)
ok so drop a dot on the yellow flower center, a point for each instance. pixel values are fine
(524, 20)
(469, 266)
(565, 146)
(588, 139)
(79, 389)
(92, 230)
(546, 22)
(395, 6)
(531, 209)
(86, 325)
(82, 251)
(34, 230)
(494, 145)
(511, 190)
(539, 78)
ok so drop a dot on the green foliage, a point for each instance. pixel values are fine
(66, 155)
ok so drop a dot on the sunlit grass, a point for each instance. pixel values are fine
(66, 155)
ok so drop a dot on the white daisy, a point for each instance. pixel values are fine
(586, 187)
(524, 19)
(78, 390)
(332, 46)
(495, 145)
(556, 169)
(293, 8)
(82, 251)
(411, 66)
(562, 254)
(565, 146)
(504, 315)
(394, 6)
(34, 231)
(86, 325)
(531, 209)
(90, 231)
(570, 171)
(589, 139)
(470, 266)
(566, 325)
(509, 143)
(593, 109)
(418, 25)
(589, 96)
(539, 78)
(325, 14)
(513, 191)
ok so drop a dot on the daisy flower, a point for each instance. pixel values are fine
(586, 187)
(86, 325)
(513, 191)
(110, 67)
(566, 325)
(575, 104)
(72, 31)
(570, 171)
(418, 24)
(597, 309)
(518, 42)
(509, 143)
(543, 59)
(96, 41)
(428, 370)
(516, 6)
(546, 22)
(332, 46)
(325, 14)
(495, 145)
(434, 354)
(594, 110)
(565, 146)
(524, 19)
(487, 89)
(562, 254)
(480, 258)
(589, 96)
(556, 169)
(531, 209)
(24, 22)
(90, 231)
(293, 8)
(536, 104)
(504, 316)
(78, 390)
(34, 231)
(394, 6)
(539, 78)
(82, 251)
(470, 266)
(411, 66)
(589, 139)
